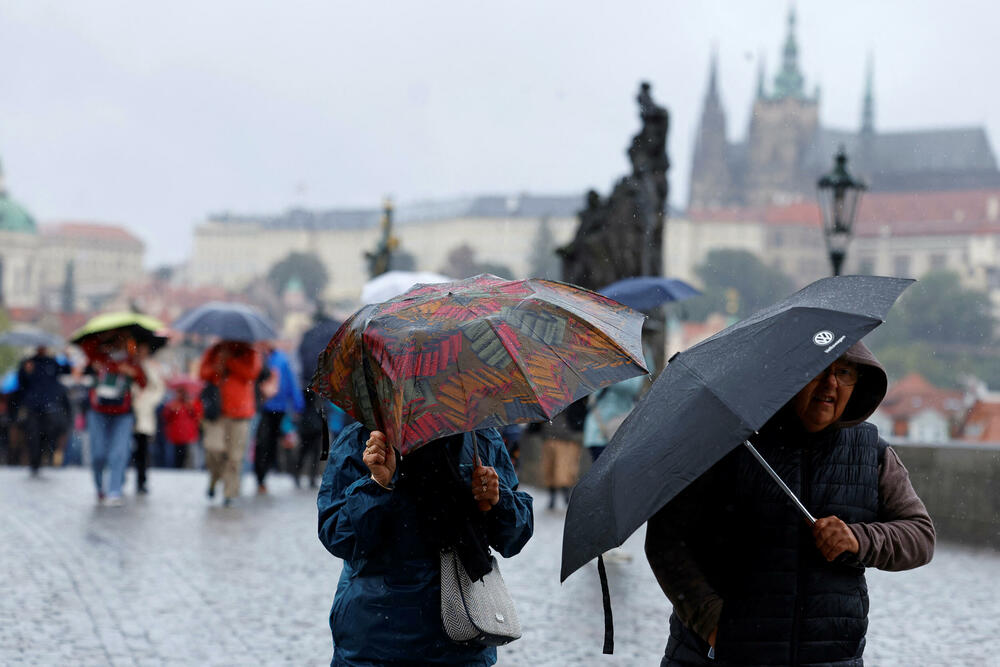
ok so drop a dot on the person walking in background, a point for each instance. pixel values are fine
(116, 370)
(311, 427)
(561, 441)
(182, 422)
(231, 368)
(43, 404)
(144, 404)
(608, 409)
(287, 398)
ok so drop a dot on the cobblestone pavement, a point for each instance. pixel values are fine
(171, 579)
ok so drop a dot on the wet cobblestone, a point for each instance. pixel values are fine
(172, 579)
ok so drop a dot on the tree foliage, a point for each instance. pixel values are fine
(304, 266)
(461, 262)
(8, 354)
(736, 282)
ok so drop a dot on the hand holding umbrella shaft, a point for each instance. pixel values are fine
(485, 487)
(380, 458)
(833, 537)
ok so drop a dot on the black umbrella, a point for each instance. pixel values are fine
(710, 399)
(313, 342)
(228, 321)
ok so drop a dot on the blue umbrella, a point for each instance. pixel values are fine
(648, 292)
(228, 321)
(30, 337)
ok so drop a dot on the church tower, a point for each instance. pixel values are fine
(783, 126)
(710, 177)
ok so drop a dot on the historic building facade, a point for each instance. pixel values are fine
(786, 147)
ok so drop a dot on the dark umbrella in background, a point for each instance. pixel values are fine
(227, 321)
(648, 292)
(31, 337)
(709, 400)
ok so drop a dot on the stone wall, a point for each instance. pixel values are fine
(961, 488)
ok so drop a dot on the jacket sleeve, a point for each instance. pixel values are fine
(903, 537)
(352, 506)
(695, 601)
(511, 522)
(290, 388)
(207, 369)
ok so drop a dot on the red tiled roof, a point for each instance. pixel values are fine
(892, 213)
(982, 423)
(914, 394)
(92, 231)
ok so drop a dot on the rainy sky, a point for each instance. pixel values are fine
(153, 115)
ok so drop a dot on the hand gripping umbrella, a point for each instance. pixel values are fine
(453, 357)
(709, 399)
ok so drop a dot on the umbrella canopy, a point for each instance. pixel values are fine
(313, 342)
(712, 397)
(648, 292)
(474, 353)
(228, 321)
(30, 337)
(118, 320)
(391, 284)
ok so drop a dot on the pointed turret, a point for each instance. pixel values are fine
(789, 81)
(761, 77)
(868, 102)
(709, 168)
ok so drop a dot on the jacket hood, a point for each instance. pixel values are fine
(871, 386)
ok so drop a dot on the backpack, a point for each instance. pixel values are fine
(211, 401)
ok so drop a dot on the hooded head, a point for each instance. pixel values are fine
(839, 397)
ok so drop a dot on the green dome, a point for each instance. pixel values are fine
(14, 217)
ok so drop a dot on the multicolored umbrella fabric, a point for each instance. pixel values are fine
(474, 353)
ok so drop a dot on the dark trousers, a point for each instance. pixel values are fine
(140, 456)
(180, 455)
(308, 456)
(41, 434)
(266, 446)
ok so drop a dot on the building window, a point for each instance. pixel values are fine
(901, 266)
(938, 261)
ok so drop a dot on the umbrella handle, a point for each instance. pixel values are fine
(784, 487)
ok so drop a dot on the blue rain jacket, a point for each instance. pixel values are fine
(289, 396)
(387, 609)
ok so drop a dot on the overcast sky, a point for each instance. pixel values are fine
(153, 115)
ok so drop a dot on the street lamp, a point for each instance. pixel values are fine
(838, 201)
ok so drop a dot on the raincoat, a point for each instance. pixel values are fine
(387, 609)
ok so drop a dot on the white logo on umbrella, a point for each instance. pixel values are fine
(823, 338)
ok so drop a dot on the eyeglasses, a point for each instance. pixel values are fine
(846, 376)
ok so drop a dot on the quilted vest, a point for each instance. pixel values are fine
(784, 604)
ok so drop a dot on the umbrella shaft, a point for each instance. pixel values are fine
(784, 487)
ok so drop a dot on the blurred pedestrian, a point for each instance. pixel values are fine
(311, 425)
(286, 399)
(562, 438)
(43, 404)
(231, 368)
(145, 401)
(114, 364)
(182, 423)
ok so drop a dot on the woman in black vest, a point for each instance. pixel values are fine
(750, 581)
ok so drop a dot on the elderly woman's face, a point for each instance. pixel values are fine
(822, 401)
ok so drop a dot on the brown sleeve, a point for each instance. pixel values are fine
(695, 601)
(903, 537)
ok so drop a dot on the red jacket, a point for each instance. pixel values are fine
(237, 377)
(182, 421)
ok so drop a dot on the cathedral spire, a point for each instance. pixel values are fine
(713, 75)
(761, 76)
(868, 102)
(789, 80)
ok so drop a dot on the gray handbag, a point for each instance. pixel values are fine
(476, 612)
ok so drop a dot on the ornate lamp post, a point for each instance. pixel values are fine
(839, 195)
(378, 260)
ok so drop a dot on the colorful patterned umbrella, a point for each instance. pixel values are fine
(453, 357)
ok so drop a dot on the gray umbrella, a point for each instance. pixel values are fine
(228, 321)
(31, 337)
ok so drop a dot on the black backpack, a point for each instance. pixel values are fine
(211, 401)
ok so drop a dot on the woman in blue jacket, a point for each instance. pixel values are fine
(389, 522)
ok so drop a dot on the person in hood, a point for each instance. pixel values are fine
(750, 581)
(388, 518)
